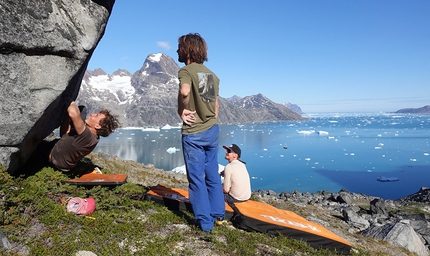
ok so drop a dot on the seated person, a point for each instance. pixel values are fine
(79, 137)
(236, 185)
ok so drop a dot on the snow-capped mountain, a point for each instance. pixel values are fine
(149, 97)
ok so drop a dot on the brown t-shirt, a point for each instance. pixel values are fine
(71, 148)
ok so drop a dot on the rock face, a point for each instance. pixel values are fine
(45, 47)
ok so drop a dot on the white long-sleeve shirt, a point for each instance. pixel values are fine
(236, 180)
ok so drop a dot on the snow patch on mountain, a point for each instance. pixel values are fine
(155, 57)
(116, 85)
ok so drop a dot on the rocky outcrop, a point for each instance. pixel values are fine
(45, 47)
(399, 233)
(392, 221)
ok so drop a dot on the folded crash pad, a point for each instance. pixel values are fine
(99, 179)
(175, 199)
(258, 216)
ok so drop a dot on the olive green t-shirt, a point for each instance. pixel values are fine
(204, 92)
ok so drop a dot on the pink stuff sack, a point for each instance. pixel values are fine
(82, 206)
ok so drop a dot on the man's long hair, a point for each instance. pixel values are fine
(108, 124)
(193, 47)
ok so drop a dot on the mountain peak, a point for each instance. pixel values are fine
(155, 57)
(121, 72)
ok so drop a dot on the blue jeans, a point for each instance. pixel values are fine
(205, 188)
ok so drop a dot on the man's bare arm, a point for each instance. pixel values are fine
(186, 115)
(65, 125)
(75, 116)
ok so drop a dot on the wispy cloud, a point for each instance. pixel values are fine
(164, 45)
(124, 58)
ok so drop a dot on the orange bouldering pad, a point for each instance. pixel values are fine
(95, 179)
(174, 198)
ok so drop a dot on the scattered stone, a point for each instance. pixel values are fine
(85, 253)
(4, 242)
(355, 220)
(344, 198)
(377, 207)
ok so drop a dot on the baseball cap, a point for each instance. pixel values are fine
(234, 148)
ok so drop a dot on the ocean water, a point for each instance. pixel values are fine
(326, 152)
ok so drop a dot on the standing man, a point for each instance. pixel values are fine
(198, 109)
(237, 185)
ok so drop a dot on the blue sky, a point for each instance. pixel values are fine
(324, 56)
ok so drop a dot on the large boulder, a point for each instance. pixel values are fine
(377, 207)
(354, 219)
(399, 233)
(45, 47)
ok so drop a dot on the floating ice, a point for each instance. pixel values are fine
(387, 179)
(168, 127)
(181, 169)
(306, 131)
(172, 150)
(426, 154)
(150, 129)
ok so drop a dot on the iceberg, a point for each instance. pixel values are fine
(150, 129)
(181, 169)
(306, 131)
(322, 133)
(172, 150)
(387, 179)
(168, 127)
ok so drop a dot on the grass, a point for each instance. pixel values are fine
(33, 217)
